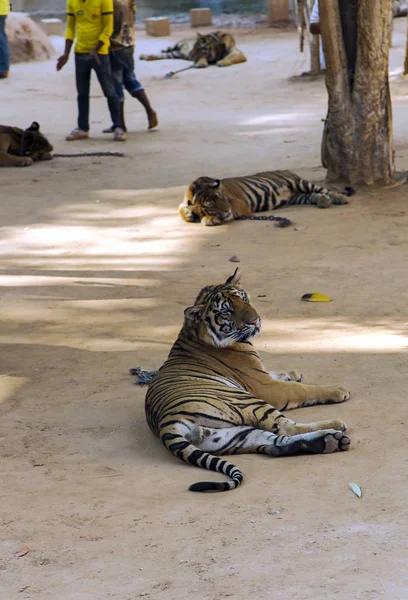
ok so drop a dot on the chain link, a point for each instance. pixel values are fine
(280, 221)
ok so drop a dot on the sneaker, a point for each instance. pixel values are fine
(119, 135)
(111, 129)
(77, 134)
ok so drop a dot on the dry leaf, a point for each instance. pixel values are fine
(356, 489)
(24, 550)
(315, 297)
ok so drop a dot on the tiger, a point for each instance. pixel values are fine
(217, 48)
(19, 148)
(218, 201)
(213, 396)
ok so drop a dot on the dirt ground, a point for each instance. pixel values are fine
(96, 269)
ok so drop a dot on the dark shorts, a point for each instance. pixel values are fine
(123, 72)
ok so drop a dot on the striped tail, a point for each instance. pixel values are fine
(186, 451)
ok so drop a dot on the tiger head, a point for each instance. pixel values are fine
(208, 47)
(34, 144)
(222, 315)
(208, 200)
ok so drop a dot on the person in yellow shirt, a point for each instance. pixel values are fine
(91, 23)
(4, 47)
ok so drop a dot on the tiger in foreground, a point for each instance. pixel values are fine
(216, 48)
(19, 148)
(218, 201)
(213, 396)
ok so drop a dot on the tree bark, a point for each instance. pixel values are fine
(357, 143)
(406, 54)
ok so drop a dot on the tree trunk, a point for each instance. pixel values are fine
(406, 54)
(357, 142)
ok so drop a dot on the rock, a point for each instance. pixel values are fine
(27, 41)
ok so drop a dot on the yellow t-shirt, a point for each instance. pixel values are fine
(4, 7)
(89, 21)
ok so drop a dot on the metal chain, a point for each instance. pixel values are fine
(280, 221)
(80, 154)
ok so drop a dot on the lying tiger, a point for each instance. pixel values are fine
(19, 148)
(213, 396)
(218, 201)
(216, 48)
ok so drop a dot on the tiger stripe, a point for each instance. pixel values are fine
(218, 201)
(203, 401)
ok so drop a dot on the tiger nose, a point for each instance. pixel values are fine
(256, 321)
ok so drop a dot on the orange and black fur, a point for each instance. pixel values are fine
(218, 201)
(217, 48)
(19, 148)
(213, 396)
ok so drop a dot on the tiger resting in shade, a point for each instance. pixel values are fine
(213, 396)
(19, 148)
(218, 201)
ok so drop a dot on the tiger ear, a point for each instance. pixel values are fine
(34, 126)
(194, 313)
(235, 278)
(216, 183)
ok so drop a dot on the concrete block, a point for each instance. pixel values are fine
(157, 26)
(52, 26)
(278, 11)
(200, 17)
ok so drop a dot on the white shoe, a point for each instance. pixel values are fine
(77, 134)
(119, 135)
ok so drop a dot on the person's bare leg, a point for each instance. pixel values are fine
(151, 114)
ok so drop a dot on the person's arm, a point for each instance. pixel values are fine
(107, 24)
(107, 28)
(118, 17)
(69, 37)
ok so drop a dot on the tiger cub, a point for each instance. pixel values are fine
(214, 397)
(19, 148)
(218, 201)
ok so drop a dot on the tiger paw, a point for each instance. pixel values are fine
(335, 394)
(323, 201)
(25, 162)
(338, 425)
(335, 441)
(338, 199)
(211, 221)
(201, 63)
(186, 214)
(292, 376)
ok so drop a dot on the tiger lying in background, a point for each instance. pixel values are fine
(218, 201)
(216, 48)
(213, 396)
(19, 148)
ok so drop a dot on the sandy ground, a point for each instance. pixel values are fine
(96, 269)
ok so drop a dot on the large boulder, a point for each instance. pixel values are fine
(27, 40)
